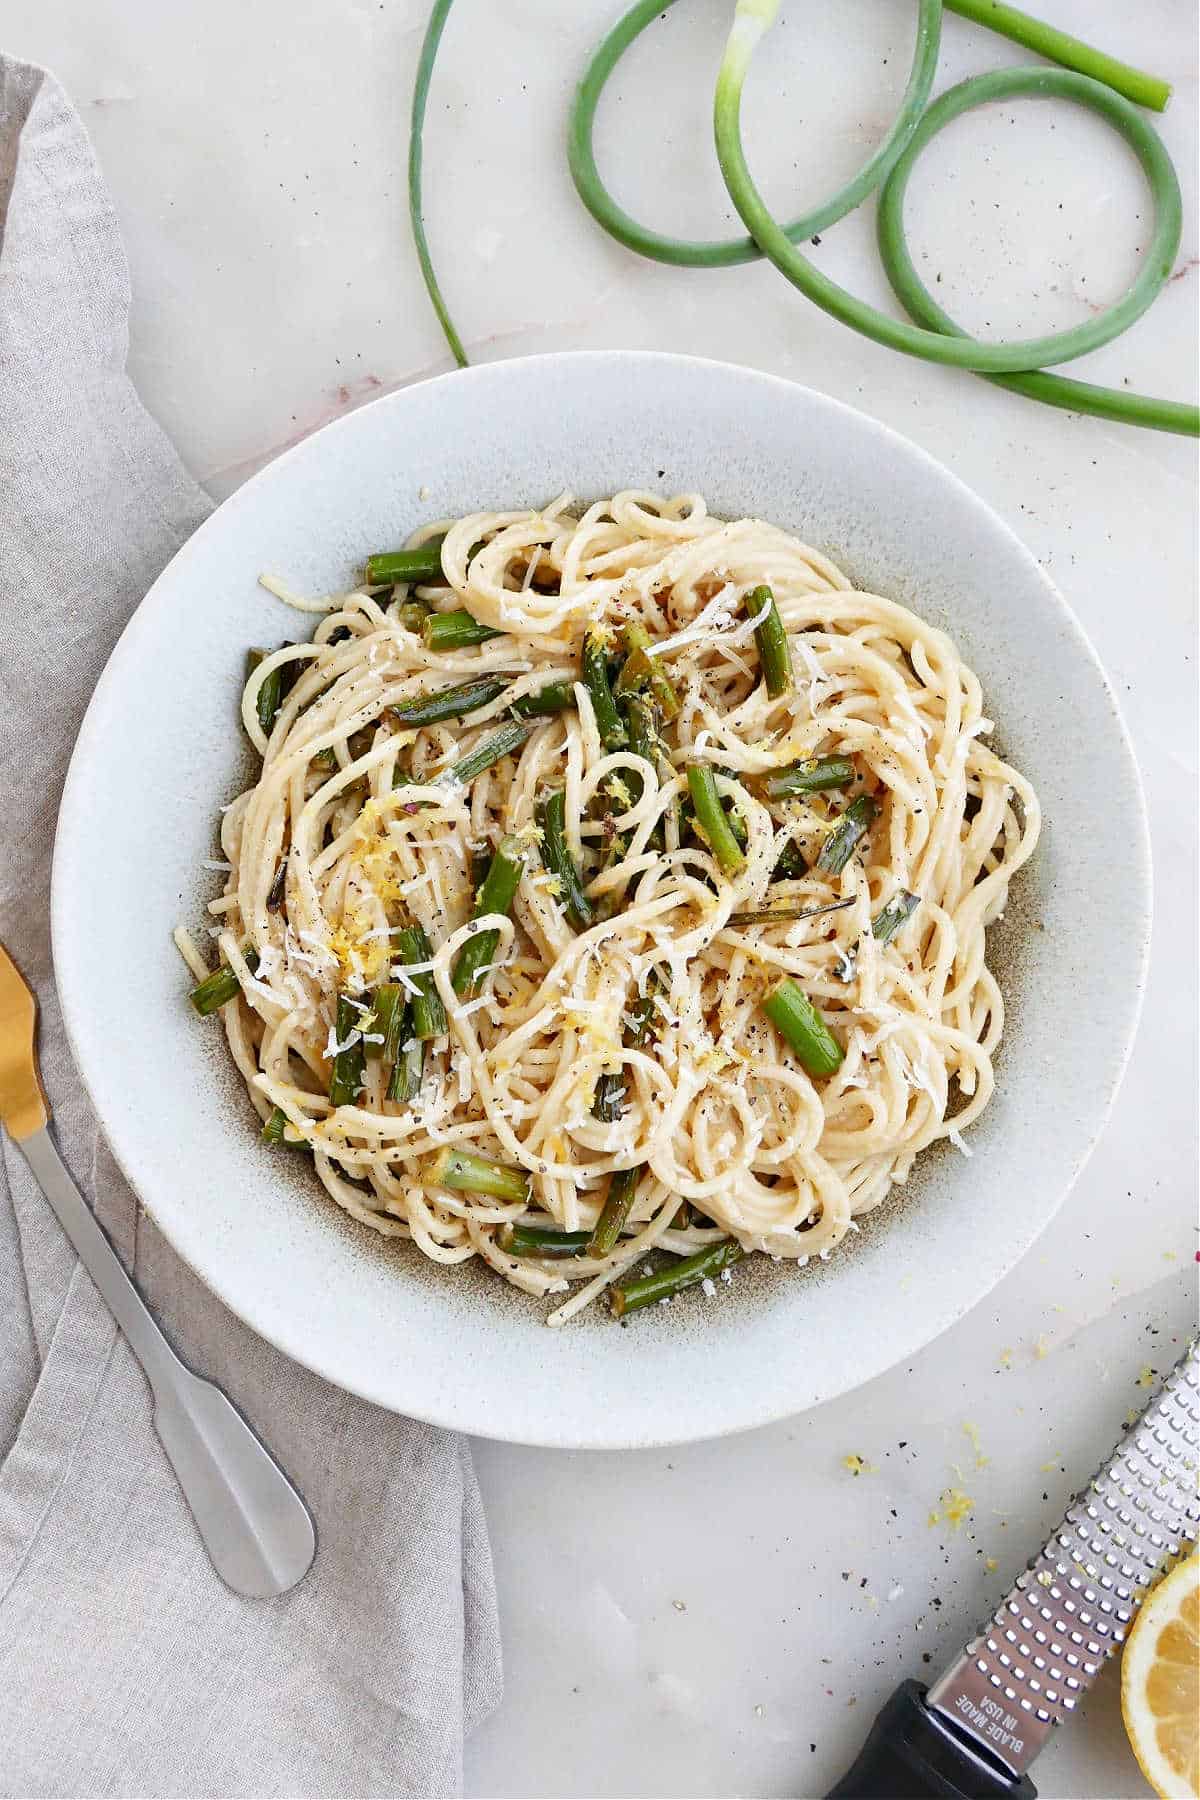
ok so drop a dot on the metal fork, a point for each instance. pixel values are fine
(253, 1523)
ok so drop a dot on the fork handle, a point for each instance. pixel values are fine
(254, 1525)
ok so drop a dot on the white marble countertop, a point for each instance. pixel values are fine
(725, 1618)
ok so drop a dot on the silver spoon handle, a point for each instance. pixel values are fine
(254, 1525)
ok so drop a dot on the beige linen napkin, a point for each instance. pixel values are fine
(126, 1667)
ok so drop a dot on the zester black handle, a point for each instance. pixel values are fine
(913, 1754)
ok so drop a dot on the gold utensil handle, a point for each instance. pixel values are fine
(23, 1104)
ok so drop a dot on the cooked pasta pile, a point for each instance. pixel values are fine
(739, 838)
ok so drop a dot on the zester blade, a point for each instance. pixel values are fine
(1051, 1635)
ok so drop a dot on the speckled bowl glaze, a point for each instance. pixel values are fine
(455, 1346)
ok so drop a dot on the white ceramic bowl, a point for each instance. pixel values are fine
(161, 748)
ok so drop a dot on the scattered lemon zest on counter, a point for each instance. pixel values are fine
(1006, 1358)
(1042, 1347)
(990, 1564)
(956, 1506)
(1146, 1376)
(858, 1465)
(971, 1433)
(1045, 1468)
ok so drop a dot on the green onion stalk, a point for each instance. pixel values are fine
(496, 895)
(935, 337)
(665, 1283)
(798, 1022)
(454, 630)
(539, 1240)
(465, 1173)
(387, 567)
(712, 820)
(1086, 76)
(556, 855)
(428, 1014)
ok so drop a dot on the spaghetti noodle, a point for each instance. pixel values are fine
(737, 836)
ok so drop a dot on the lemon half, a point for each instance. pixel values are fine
(1160, 1684)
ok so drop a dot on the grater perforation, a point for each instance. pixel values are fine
(1052, 1633)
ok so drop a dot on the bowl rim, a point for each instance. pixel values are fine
(450, 1415)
